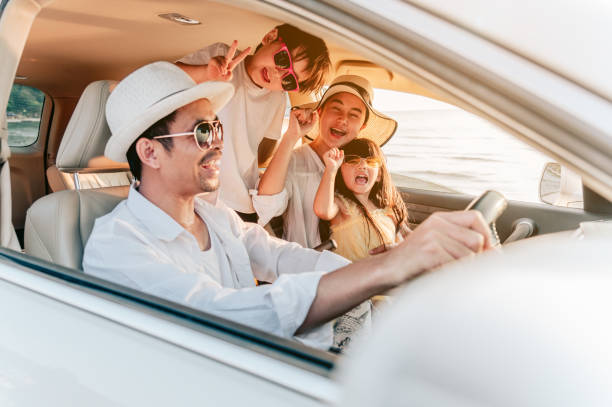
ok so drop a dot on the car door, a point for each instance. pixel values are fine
(73, 339)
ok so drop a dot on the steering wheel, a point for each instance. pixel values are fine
(491, 204)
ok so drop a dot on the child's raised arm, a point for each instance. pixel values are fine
(219, 68)
(325, 206)
(272, 181)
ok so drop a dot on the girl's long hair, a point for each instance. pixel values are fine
(383, 194)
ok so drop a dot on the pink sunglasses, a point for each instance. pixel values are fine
(282, 59)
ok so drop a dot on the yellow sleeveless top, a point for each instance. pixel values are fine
(356, 236)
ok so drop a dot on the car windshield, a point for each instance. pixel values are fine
(441, 147)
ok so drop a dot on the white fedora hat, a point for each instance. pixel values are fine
(149, 94)
(379, 127)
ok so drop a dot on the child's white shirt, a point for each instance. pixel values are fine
(252, 114)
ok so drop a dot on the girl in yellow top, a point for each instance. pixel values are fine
(364, 211)
(363, 208)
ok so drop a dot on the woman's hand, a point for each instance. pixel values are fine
(301, 121)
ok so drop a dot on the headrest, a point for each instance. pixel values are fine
(87, 131)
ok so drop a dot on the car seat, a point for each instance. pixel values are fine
(8, 237)
(80, 162)
(58, 225)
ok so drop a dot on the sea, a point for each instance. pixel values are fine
(23, 132)
(448, 149)
(463, 152)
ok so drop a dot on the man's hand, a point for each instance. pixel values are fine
(220, 67)
(443, 237)
(333, 159)
(301, 121)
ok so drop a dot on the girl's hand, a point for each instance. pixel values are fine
(333, 159)
(220, 67)
(301, 121)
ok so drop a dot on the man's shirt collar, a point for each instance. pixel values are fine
(159, 223)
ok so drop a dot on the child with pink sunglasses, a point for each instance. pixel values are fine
(362, 211)
(286, 60)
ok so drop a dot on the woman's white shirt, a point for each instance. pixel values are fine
(295, 202)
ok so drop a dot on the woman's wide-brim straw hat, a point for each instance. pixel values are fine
(149, 94)
(379, 127)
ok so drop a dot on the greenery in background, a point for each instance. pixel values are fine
(25, 102)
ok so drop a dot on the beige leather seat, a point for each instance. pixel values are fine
(58, 225)
(8, 237)
(80, 162)
(88, 185)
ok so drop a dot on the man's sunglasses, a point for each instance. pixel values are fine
(282, 59)
(204, 133)
(373, 162)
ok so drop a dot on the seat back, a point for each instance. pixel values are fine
(80, 162)
(58, 225)
(8, 237)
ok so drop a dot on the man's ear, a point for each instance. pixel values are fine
(363, 126)
(148, 152)
(270, 37)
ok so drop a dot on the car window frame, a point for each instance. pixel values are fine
(3, 4)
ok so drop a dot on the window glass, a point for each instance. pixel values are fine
(23, 115)
(440, 147)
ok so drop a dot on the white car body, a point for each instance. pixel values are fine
(69, 339)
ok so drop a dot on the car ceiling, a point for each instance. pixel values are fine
(75, 42)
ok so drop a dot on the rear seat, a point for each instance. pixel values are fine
(88, 185)
(80, 162)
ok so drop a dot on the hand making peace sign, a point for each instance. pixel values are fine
(220, 67)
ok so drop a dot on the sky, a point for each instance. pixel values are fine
(389, 100)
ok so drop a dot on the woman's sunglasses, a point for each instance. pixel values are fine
(204, 133)
(373, 162)
(282, 59)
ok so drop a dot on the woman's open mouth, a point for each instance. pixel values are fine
(337, 132)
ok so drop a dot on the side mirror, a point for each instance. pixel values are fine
(560, 187)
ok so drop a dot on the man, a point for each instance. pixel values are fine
(167, 241)
(292, 178)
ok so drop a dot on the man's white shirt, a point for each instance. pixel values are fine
(140, 246)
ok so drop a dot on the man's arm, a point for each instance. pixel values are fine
(276, 308)
(443, 237)
(273, 180)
